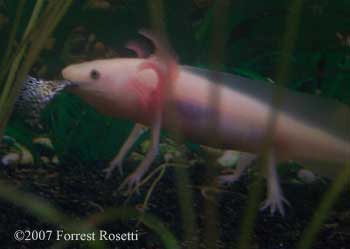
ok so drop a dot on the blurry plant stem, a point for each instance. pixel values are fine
(189, 226)
(185, 195)
(219, 29)
(151, 188)
(11, 42)
(254, 196)
(37, 32)
(282, 74)
(16, 61)
(5, 102)
(126, 214)
(322, 211)
(34, 18)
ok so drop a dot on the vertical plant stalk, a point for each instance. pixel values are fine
(11, 41)
(254, 196)
(50, 20)
(189, 226)
(156, 10)
(150, 221)
(16, 61)
(322, 211)
(219, 29)
(38, 30)
(34, 18)
(283, 67)
(18, 57)
(188, 216)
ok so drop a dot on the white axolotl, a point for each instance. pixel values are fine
(191, 101)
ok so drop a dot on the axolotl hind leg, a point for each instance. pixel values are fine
(275, 198)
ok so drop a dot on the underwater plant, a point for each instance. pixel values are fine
(19, 59)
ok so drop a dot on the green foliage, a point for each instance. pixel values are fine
(255, 42)
(324, 208)
(17, 61)
(23, 135)
(150, 221)
(81, 134)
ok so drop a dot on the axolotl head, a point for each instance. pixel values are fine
(97, 72)
(107, 85)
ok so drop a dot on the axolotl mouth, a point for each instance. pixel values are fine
(73, 87)
(71, 84)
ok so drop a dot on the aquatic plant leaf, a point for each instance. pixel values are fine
(149, 220)
(41, 30)
(81, 134)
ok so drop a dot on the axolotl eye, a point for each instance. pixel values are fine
(94, 74)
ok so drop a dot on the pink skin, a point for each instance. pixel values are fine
(157, 92)
(148, 80)
(132, 45)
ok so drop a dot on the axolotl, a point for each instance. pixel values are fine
(195, 102)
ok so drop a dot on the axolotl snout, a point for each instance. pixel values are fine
(213, 108)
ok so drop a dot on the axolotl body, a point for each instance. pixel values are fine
(194, 102)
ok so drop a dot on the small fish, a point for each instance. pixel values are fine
(34, 97)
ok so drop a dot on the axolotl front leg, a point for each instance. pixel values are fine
(134, 179)
(165, 67)
(136, 131)
(117, 161)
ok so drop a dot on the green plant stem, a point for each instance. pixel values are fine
(185, 196)
(11, 42)
(250, 213)
(124, 214)
(39, 30)
(15, 65)
(288, 44)
(35, 15)
(5, 98)
(151, 188)
(322, 211)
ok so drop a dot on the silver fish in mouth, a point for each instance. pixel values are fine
(35, 95)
